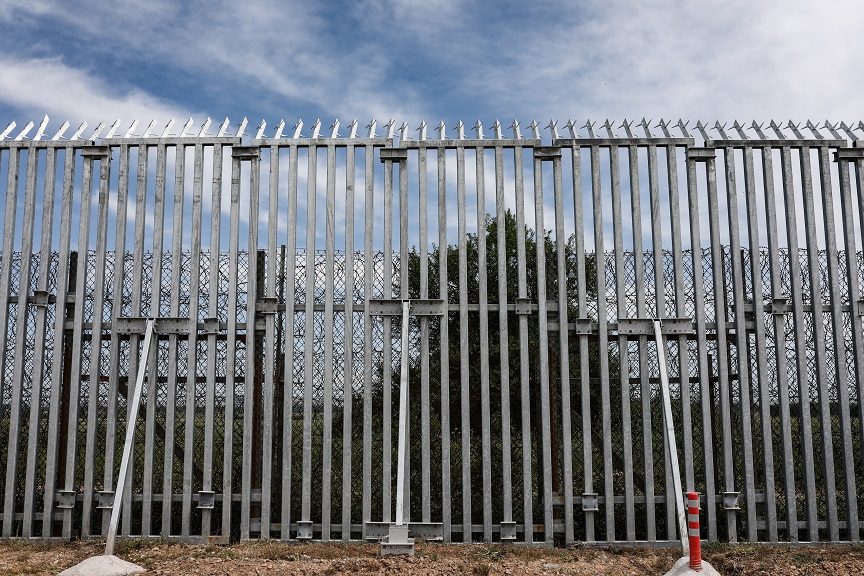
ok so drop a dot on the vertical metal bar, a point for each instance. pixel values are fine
(52, 448)
(482, 281)
(545, 426)
(623, 355)
(348, 359)
(444, 294)
(780, 360)
(403, 418)
(17, 383)
(425, 448)
(386, 428)
(403, 293)
(95, 377)
(582, 313)
(309, 374)
(702, 350)
(800, 341)
(564, 347)
(173, 343)
(504, 348)
(821, 358)
(327, 444)
(116, 311)
(680, 311)
(212, 312)
(75, 381)
(192, 352)
(231, 347)
(841, 360)
(11, 207)
(288, 396)
(271, 347)
(660, 310)
(718, 271)
(603, 337)
(524, 358)
(741, 344)
(368, 255)
(135, 309)
(465, 396)
(765, 416)
(851, 252)
(152, 387)
(39, 352)
(134, 402)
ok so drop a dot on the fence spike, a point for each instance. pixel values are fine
(353, 126)
(702, 130)
(571, 126)
(403, 131)
(316, 129)
(132, 127)
(608, 126)
(664, 126)
(42, 126)
(812, 127)
(860, 126)
(223, 129)
(97, 131)
(442, 130)
(497, 128)
(59, 133)
(517, 134)
(626, 126)
(553, 129)
(167, 128)
(794, 128)
(78, 132)
(371, 127)
(390, 125)
(478, 129)
(460, 130)
(422, 130)
(23, 134)
(279, 128)
(721, 129)
(646, 126)
(241, 127)
(260, 129)
(186, 127)
(847, 129)
(777, 130)
(740, 129)
(113, 129)
(832, 128)
(151, 126)
(204, 127)
(535, 128)
(7, 130)
(298, 127)
(758, 129)
(590, 127)
(334, 129)
(683, 127)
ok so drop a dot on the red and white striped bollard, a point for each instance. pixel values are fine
(693, 531)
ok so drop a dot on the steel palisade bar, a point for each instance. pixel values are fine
(309, 317)
(368, 255)
(425, 425)
(387, 393)
(348, 358)
(443, 293)
(465, 395)
(624, 355)
(403, 294)
(327, 442)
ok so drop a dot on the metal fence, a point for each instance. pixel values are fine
(271, 396)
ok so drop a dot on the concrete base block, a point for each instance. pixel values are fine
(103, 566)
(397, 542)
(682, 568)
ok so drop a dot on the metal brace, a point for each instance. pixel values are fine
(547, 152)
(245, 152)
(590, 502)
(105, 499)
(267, 305)
(523, 306)
(164, 325)
(40, 298)
(95, 152)
(206, 499)
(66, 499)
(701, 154)
(645, 326)
(393, 154)
(419, 307)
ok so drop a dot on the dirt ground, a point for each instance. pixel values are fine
(163, 558)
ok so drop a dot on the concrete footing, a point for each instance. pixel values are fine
(682, 568)
(103, 566)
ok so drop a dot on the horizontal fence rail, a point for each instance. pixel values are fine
(276, 269)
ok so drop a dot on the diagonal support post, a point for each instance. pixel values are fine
(671, 445)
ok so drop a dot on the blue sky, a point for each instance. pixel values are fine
(429, 60)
